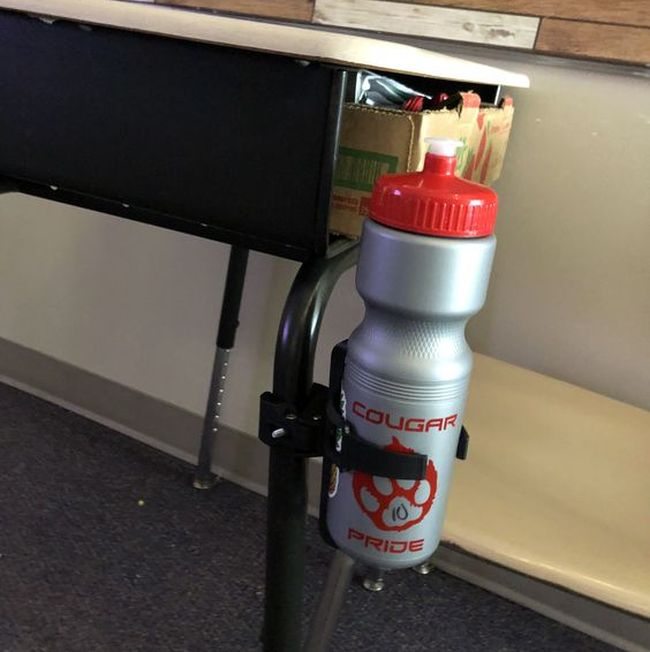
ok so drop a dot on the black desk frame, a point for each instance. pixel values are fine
(193, 138)
(182, 135)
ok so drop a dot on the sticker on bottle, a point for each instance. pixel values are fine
(333, 486)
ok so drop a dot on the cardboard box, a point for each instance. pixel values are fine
(375, 141)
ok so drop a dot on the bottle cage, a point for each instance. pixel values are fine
(348, 451)
(320, 429)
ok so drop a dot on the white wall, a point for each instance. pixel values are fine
(140, 305)
(570, 294)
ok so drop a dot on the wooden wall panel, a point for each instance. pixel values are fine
(594, 41)
(622, 12)
(285, 9)
(607, 30)
(506, 30)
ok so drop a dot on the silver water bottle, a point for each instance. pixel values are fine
(423, 271)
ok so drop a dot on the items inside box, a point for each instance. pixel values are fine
(397, 91)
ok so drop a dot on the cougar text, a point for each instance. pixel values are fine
(393, 422)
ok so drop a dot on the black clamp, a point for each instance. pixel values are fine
(352, 453)
(320, 430)
(302, 433)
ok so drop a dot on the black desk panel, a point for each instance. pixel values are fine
(227, 144)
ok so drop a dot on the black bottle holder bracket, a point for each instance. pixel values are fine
(320, 431)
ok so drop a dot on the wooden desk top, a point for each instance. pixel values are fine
(289, 40)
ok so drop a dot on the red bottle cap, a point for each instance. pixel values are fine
(435, 201)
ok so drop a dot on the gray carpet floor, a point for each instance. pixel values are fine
(104, 546)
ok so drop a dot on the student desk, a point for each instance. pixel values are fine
(215, 126)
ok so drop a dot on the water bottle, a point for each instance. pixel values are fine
(423, 271)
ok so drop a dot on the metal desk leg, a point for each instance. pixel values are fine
(204, 478)
(287, 502)
(324, 621)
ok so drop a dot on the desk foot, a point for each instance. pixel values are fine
(425, 567)
(206, 483)
(373, 580)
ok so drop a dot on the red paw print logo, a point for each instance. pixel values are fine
(395, 505)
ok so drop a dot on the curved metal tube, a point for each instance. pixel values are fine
(301, 320)
(287, 499)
